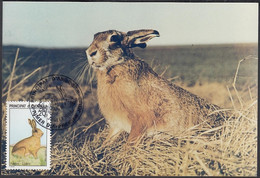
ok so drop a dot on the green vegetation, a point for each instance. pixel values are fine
(28, 160)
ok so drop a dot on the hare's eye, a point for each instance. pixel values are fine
(93, 54)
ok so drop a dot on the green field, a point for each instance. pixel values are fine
(28, 160)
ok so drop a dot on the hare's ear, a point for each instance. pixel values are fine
(139, 38)
(33, 124)
(30, 122)
(116, 39)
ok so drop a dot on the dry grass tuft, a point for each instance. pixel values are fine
(234, 153)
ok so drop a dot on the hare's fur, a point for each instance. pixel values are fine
(30, 145)
(132, 97)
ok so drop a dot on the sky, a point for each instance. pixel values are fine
(73, 24)
(20, 127)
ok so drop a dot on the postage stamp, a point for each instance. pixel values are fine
(28, 144)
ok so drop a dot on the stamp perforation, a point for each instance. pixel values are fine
(11, 105)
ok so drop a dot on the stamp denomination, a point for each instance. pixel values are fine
(66, 102)
(28, 143)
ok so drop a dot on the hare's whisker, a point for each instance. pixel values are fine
(79, 59)
(84, 72)
(80, 75)
(79, 67)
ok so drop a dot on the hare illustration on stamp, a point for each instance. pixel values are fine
(66, 101)
(28, 143)
(31, 144)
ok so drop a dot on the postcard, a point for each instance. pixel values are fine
(129, 89)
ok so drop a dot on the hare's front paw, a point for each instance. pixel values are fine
(35, 155)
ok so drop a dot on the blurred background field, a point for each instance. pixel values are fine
(191, 64)
(195, 67)
(206, 70)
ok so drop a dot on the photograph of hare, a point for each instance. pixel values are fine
(170, 89)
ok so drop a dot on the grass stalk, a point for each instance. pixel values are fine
(22, 81)
(12, 74)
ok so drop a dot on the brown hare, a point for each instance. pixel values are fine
(30, 145)
(135, 99)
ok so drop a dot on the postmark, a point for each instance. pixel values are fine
(66, 102)
(28, 144)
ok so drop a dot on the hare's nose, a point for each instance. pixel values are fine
(90, 61)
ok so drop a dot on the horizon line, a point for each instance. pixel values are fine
(149, 46)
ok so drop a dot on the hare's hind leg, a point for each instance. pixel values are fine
(137, 132)
(20, 152)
